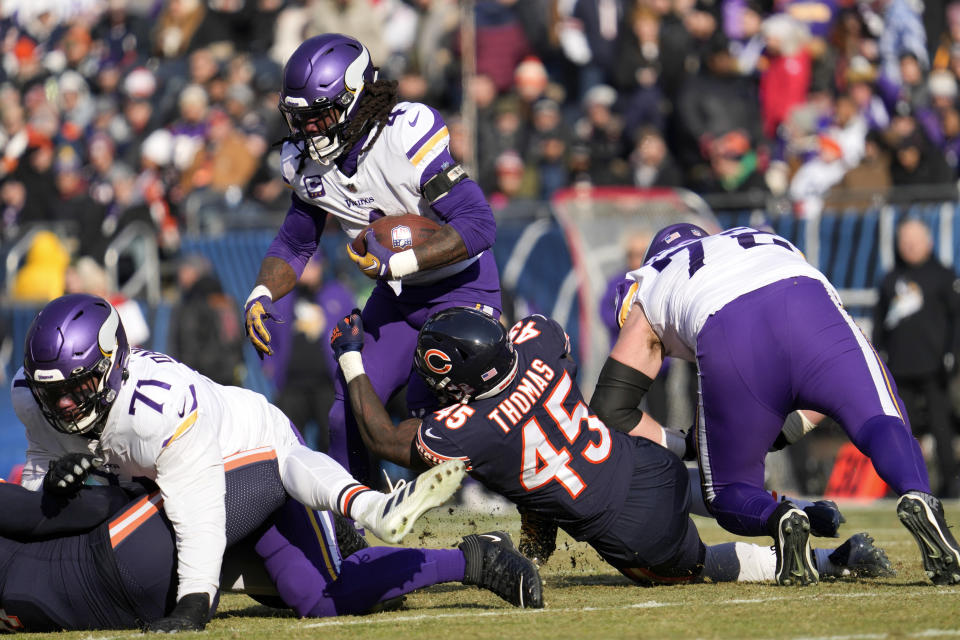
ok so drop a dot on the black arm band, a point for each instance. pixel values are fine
(440, 184)
(619, 390)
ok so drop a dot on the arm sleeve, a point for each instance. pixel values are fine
(464, 208)
(191, 479)
(40, 516)
(299, 235)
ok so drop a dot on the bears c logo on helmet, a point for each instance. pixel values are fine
(444, 365)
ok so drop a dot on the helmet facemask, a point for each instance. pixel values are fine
(75, 362)
(78, 404)
(321, 122)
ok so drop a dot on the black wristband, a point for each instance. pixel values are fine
(619, 390)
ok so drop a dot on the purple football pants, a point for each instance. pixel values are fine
(391, 324)
(788, 346)
(317, 584)
(301, 555)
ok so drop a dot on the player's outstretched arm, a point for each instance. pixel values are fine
(376, 428)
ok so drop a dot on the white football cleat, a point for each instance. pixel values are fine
(391, 517)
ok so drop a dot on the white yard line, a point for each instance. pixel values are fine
(650, 604)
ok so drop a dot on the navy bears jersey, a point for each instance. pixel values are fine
(536, 442)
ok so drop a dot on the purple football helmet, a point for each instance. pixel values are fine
(323, 82)
(75, 359)
(671, 236)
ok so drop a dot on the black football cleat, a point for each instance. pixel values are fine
(494, 564)
(349, 540)
(858, 557)
(790, 528)
(922, 515)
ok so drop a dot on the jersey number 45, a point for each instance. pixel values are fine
(542, 462)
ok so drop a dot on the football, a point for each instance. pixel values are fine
(397, 233)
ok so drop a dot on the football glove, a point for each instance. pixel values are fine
(825, 518)
(67, 475)
(538, 536)
(190, 614)
(375, 263)
(257, 313)
(347, 335)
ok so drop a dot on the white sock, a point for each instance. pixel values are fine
(739, 562)
(317, 481)
(824, 566)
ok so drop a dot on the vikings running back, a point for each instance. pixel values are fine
(356, 154)
(86, 399)
(517, 419)
(769, 335)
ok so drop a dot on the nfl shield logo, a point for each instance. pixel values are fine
(489, 374)
(401, 238)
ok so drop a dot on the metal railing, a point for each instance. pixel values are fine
(139, 241)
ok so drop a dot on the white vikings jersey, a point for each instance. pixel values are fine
(682, 286)
(387, 180)
(174, 426)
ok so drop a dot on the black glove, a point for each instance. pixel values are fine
(190, 614)
(825, 518)
(66, 476)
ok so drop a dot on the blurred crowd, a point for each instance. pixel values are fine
(163, 112)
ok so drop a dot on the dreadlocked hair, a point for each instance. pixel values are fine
(379, 99)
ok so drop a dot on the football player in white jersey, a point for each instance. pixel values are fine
(86, 399)
(769, 336)
(357, 154)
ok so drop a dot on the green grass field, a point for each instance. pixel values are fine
(587, 599)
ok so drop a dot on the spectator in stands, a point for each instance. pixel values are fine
(860, 78)
(86, 275)
(515, 180)
(547, 147)
(652, 163)
(786, 78)
(734, 167)
(75, 207)
(600, 21)
(637, 71)
(742, 22)
(176, 27)
(865, 185)
(902, 34)
(601, 132)
(205, 332)
(918, 163)
(915, 329)
(41, 278)
(302, 366)
(712, 103)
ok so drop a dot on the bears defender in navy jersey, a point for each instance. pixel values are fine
(515, 416)
(536, 442)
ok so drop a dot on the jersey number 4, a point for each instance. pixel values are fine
(542, 462)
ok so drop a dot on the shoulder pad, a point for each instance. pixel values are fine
(418, 130)
(289, 161)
